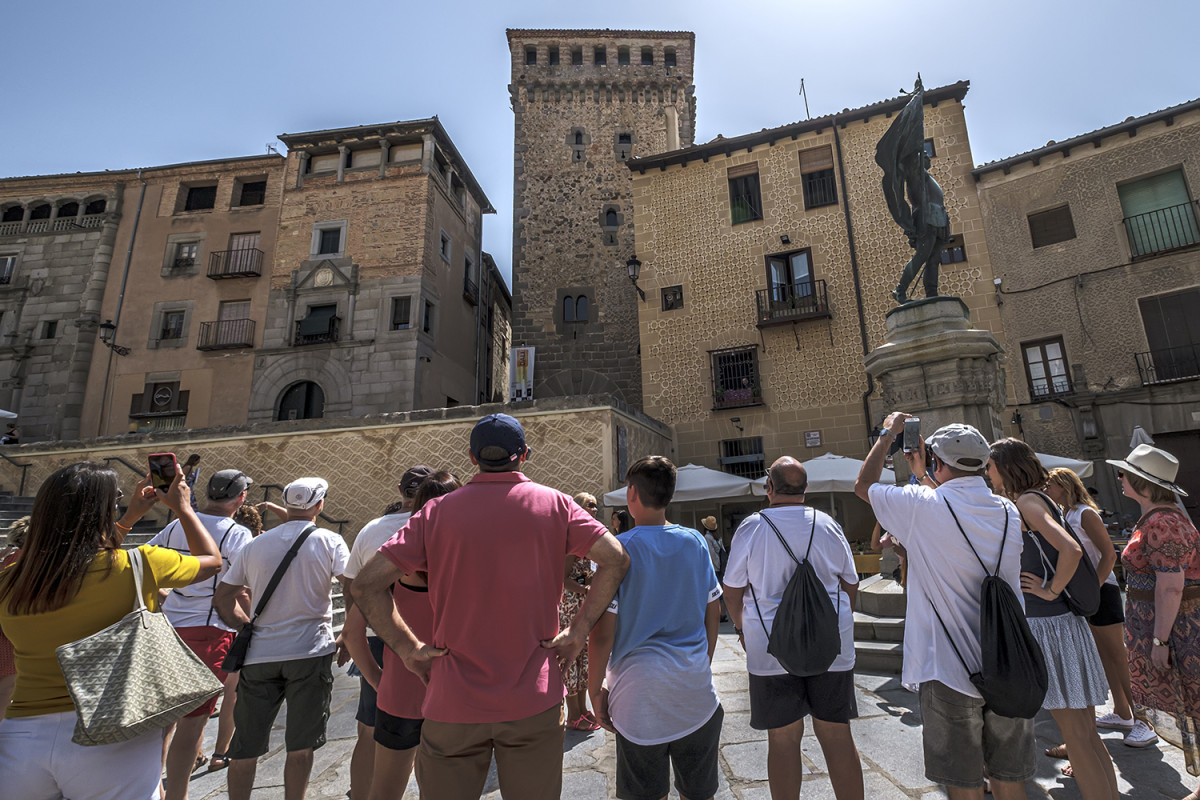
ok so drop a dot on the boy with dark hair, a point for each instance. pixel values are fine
(650, 677)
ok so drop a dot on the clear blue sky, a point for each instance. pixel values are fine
(93, 86)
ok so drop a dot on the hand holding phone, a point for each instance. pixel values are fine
(163, 469)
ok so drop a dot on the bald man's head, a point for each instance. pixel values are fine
(788, 476)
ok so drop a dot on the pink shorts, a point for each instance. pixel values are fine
(211, 644)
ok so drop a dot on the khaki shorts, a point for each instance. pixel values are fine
(453, 759)
(961, 737)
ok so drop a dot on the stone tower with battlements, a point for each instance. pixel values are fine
(584, 102)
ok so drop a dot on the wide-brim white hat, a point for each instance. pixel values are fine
(1157, 466)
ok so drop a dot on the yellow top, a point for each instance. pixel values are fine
(103, 599)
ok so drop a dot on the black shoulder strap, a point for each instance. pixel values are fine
(1003, 539)
(812, 535)
(282, 568)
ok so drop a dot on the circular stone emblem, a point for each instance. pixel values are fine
(324, 277)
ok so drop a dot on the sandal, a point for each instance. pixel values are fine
(1068, 770)
(218, 761)
(1058, 751)
(201, 760)
(591, 717)
(582, 723)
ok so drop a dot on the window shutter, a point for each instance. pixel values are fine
(743, 170)
(816, 159)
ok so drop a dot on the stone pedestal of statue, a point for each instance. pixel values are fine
(935, 365)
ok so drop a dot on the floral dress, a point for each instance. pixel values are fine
(1165, 541)
(575, 674)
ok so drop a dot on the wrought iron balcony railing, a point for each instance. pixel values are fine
(788, 302)
(317, 331)
(1171, 364)
(470, 290)
(1163, 230)
(245, 263)
(226, 334)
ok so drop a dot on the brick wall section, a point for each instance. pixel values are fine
(811, 373)
(559, 241)
(1086, 289)
(59, 278)
(573, 441)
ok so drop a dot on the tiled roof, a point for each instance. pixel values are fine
(722, 145)
(1130, 125)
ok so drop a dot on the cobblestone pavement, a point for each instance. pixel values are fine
(888, 734)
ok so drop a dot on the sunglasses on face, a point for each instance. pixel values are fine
(590, 506)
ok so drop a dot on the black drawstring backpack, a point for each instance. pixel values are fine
(1012, 675)
(805, 637)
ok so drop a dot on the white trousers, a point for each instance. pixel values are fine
(38, 761)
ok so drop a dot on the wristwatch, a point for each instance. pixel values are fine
(887, 432)
(1159, 642)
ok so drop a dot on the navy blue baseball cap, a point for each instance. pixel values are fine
(498, 430)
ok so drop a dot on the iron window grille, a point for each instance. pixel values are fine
(743, 457)
(735, 380)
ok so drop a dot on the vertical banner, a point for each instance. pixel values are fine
(520, 367)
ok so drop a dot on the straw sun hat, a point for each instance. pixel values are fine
(1156, 466)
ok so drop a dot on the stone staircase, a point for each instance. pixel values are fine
(879, 626)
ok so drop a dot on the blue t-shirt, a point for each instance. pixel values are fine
(659, 677)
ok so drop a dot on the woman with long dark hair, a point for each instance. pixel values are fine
(1049, 558)
(399, 693)
(71, 580)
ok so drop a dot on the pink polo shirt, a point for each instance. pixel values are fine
(494, 551)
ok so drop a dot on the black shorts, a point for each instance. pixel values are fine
(644, 770)
(779, 700)
(397, 733)
(366, 693)
(1111, 611)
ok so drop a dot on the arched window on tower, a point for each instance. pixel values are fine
(13, 214)
(40, 212)
(581, 308)
(568, 309)
(67, 210)
(303, 400)
(610, 218)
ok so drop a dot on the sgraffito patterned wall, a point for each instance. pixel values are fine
(811, 373)
(571, 451)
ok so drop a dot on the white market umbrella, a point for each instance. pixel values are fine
(830, 473)
(694, 482)
(1081, 468)
(7, 414)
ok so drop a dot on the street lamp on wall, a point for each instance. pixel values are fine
(107, 331)
(634, 268)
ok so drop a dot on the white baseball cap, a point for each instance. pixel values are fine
(304, 493)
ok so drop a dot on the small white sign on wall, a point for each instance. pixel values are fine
(812, 438)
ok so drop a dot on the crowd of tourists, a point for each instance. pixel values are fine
(484, 617)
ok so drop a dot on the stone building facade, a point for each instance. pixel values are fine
(1096, 244)
(187, 296)
(584, 103)
(767, 262)
(579, 444)
(375, 286)
(57, 238)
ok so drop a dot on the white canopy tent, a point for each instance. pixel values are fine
(7, 414)
(1081, 468)
(830, 473)
(694, 482)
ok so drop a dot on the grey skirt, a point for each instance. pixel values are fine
(1072, 662)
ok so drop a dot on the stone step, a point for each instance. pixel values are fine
(882, 657)
(870, 627)
(881, 597)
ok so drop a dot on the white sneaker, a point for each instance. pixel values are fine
(1114, 722)
(1142, 735)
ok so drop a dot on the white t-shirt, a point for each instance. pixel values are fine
(191, 606)
(944, 573)
(298, 620)
(758, 560)
(369, 540)
(1075, 518)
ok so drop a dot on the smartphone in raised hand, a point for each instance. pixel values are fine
(912, 434)
(163, 469)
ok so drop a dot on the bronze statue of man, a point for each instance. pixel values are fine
(914, 198)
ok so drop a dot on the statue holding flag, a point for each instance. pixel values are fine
(913, 196)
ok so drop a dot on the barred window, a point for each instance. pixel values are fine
(743, 457)
(735, 377)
